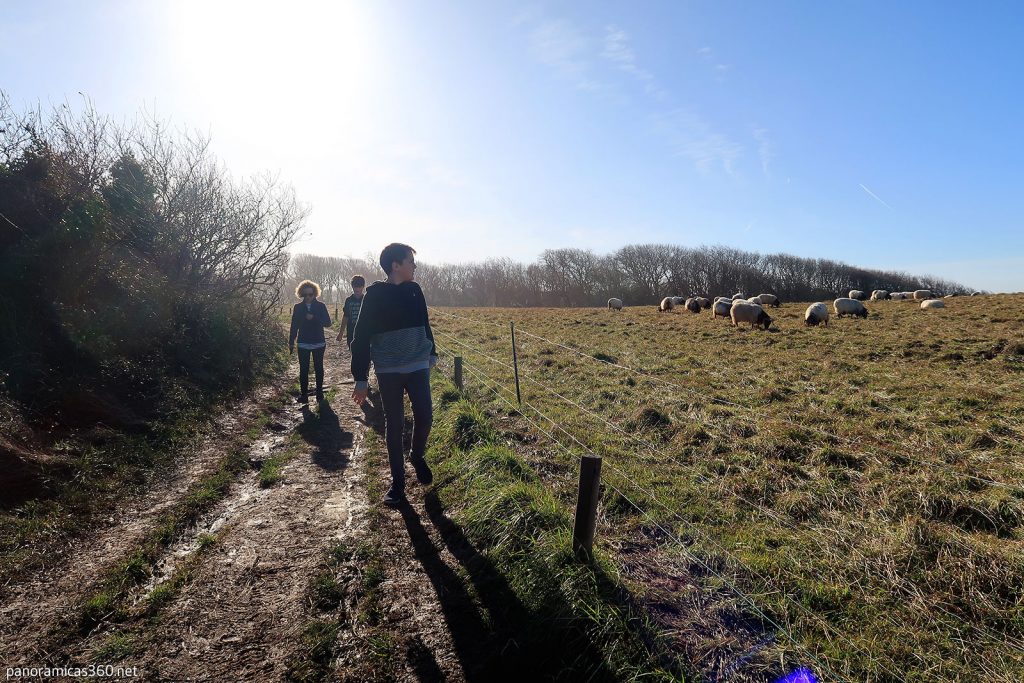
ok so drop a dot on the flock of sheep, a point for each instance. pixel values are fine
(741, 309)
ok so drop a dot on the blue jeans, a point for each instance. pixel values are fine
(393, 387)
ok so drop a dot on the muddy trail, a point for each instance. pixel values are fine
(270, 582)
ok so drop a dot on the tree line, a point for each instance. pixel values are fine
(637, 273)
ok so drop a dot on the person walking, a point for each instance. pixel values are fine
(351, 309)
(393, 331)
(309, 318)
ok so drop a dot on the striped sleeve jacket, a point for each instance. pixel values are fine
(393, 331)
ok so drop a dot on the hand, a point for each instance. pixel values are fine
(309, 316)
(359, 396)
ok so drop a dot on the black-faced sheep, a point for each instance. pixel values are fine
(746, 312)
(615, 304)
(692, 305)
(921, 294)
(666, 304)
(879, 295)
(816, 314)
(857, 294)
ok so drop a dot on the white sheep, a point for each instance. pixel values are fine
(920, 294)
(666, 304)
(815, 314)
(879, 295)
(739, 295)
(704, 302)
(746, 312)
(721, 307)
(769, 300)
(857, 294)
(615, 304)
(933, 303)
(849, 306)
(676, 300)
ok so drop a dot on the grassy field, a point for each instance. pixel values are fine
(848, 498)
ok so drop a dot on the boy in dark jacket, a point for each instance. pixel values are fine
(351, 309)
(394, 332)
(309, 318)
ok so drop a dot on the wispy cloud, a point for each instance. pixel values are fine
(618, 50)
(692, 137)
(576, 57)
(765, 149)
(563, 47)
(879, 199)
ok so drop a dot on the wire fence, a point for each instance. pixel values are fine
(643, 499)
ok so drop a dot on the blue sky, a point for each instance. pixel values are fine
(882, 134)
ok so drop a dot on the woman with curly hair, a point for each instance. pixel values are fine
(309, 318)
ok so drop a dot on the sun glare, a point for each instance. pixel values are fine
(307, 62)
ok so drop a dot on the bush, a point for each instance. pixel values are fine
(135, 277)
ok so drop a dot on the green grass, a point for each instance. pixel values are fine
(841, 475)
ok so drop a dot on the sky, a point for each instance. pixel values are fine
(886, 135)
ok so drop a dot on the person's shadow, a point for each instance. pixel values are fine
(496, 636)
(322, 429)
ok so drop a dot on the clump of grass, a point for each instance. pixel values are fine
(318, 639)
(326, 593)
(650, 418)
(468, 426)
(117, 646)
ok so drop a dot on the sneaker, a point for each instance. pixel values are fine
(423, 473)
(394, 498)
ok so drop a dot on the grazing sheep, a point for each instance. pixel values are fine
(615, 304)
(899, 296)
(975, 293)
(739, 295)
(920, 294)
(676, 300)
(746, 312)
(933, 303)
(879, 295)
(721, 308)
(849, 306)
(857, 294)
(692, 305)
(704, 302)
(666, 304)
(815, 314)
(769, 300)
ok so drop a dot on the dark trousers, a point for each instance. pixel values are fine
(393, 387)
(318, 368)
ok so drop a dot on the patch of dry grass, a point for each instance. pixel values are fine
(862, 483)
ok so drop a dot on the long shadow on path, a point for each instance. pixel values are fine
(322, 429)
(496, 636)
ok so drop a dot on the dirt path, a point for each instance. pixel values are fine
(33, 607)
(235, 596)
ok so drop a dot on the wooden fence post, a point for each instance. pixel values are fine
(458, 372)
(515, 364)
(586, 507)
